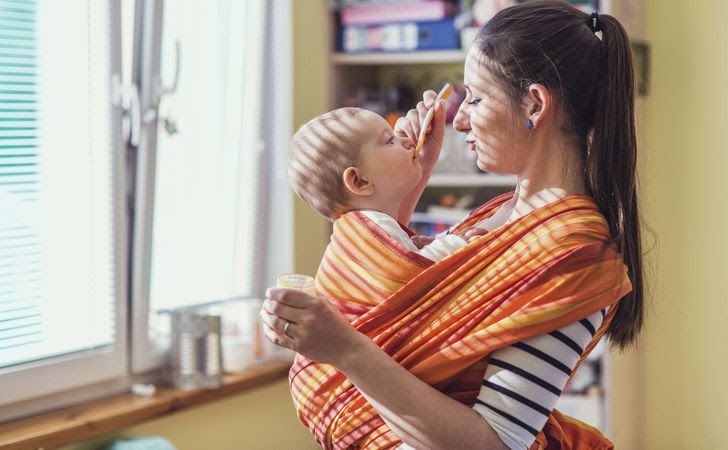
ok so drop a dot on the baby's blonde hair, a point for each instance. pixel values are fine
(322, 149)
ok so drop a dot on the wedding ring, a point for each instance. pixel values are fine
(285, 328)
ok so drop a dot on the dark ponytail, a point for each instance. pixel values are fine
(611, 167)
(590, 65)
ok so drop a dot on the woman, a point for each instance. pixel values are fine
(549, 98)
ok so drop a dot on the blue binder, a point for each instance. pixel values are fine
(399, 37)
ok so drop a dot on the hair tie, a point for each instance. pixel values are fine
(594, 23)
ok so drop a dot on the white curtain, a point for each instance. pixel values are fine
(209, 169)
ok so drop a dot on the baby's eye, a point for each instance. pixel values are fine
(390, 141)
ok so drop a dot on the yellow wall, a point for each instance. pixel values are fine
(311, 81)
(686, 361)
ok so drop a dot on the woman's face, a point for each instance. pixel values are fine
(494, 130)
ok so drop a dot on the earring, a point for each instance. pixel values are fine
(529, 124)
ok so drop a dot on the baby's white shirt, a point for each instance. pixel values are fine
(438, 249)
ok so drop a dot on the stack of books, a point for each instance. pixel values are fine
(398, 26)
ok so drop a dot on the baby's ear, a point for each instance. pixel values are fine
(356, 183)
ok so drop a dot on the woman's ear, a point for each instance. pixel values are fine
(356, 183)
(538, 104)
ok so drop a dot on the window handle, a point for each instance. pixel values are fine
(127, 96)
(152, 115)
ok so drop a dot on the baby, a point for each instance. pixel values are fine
(350, 160)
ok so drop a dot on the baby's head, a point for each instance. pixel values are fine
(348, 159)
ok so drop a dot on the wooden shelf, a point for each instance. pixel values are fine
(391, 58)
(471, 179)
(64, 426)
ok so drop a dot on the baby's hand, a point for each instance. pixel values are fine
(470, 234)
(421, 240)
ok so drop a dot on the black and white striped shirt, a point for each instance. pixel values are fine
(523, 381)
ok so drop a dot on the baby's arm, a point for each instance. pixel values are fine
(444, 246)
(420, 240)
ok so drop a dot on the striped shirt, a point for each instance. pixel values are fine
(523, 381)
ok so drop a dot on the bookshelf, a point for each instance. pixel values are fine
(612, 406)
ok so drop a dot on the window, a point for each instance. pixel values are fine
(185, 207)
(61, 230)
(211, 165)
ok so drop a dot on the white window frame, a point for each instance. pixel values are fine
(146, 76)
(49, 376)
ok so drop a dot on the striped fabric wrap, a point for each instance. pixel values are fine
(441, 320)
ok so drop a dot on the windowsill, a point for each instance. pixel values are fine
(87, 420)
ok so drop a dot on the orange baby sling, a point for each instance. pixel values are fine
(441, 320)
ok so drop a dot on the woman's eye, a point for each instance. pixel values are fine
(474, 101)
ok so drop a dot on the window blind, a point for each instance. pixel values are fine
(20, 265)
(57, 196)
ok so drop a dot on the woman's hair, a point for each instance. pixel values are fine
(554, 44)
(323, 148)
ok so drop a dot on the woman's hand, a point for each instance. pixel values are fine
(409, 126)
(317, 329)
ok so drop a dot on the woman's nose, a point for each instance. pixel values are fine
(461, 122)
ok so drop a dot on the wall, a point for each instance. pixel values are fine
(311, 82)
(685, 202)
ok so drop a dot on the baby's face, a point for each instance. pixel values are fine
(387, 159)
